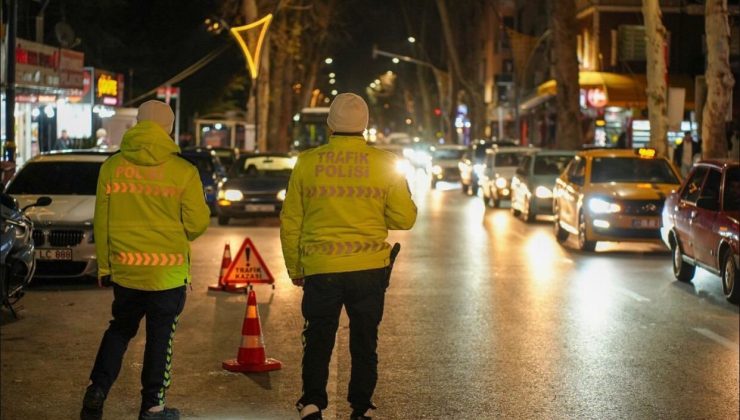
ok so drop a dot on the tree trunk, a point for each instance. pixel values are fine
(656, 75)
(719, 80)
(281, 35)
(565, 69)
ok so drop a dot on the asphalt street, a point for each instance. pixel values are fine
(486, 318)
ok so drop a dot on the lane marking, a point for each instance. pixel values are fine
(636, 296)
(717, 338)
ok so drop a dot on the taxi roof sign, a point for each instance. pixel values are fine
(645, 152)
(248, 267)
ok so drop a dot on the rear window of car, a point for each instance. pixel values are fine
(632, 170)
(448, 154)
(203, 163)
(506, 159)
(551, 165)
(56, 178)
(732, 190)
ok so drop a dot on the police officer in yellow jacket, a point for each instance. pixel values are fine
(342, 199)
(149, 205)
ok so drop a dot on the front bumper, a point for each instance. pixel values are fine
(623, 228)
(62, 254)
(244, 208)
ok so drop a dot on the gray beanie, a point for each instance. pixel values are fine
(159, 112)
(348, 114)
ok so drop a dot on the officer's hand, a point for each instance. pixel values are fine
(104, 281)
(298, 282)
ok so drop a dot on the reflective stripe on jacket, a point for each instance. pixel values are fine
(342, 199)
(149, 205)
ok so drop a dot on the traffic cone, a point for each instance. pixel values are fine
(225, 263)
(251, 355)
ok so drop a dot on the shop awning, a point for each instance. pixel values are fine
(622, 90)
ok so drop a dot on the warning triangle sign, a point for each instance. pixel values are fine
(248, 267)
(250, 38)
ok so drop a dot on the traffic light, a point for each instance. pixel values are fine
(437, 112)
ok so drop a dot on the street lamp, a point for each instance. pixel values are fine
(411, 39)
(329, 60)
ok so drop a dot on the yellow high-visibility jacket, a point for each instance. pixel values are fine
(149, 205)
(342, 199)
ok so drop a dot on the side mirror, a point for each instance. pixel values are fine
(40, 202)
(707, 203)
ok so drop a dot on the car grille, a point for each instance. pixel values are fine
(57, 237)
(260, 196)
(642, 207)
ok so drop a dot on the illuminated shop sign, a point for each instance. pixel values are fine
(596, 97)
(108, 88)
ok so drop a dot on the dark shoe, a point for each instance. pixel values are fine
(363, 414)
(92, 404)
(309, 412)
(166, 414)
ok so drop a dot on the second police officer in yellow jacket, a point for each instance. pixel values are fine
(342, 199)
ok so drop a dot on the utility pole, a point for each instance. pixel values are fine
(10, 73)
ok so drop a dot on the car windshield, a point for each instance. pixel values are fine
(506, 159)
(732, 190)
(204, 163)
(56, 178)
(551, 165)
(448, 154)
(632, 170)
(226, 157)
(270, 166)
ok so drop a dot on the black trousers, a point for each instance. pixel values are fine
(362, 293)
(161, 309)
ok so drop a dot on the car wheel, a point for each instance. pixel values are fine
(681, 269)
(729, 278)
(583, 243)
(223, 220)
(527, 214)
(561, 235)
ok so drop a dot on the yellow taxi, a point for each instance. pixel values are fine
(614, 195)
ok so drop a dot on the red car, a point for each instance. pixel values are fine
(700, 224)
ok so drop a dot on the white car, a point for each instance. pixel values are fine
(63, 231)
(498, 170)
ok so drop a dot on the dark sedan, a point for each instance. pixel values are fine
(256, 187)
(700, 224)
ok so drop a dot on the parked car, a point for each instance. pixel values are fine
(226, 155)
(63, 231)
(700, 224)
(472, 163)
(256, 186)
(531, 186)
(444, 162)
(612, 195)
(211, 172)
(498, 170)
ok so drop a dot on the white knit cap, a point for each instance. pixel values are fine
(348, 114)
(159, 112)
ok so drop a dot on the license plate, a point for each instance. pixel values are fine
(260, 208)
(53, 254)
(646, 223)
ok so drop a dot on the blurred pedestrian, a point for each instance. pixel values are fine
(154, 226)
(678, 150)
(101, 136)
(342, 199)
(63, 142)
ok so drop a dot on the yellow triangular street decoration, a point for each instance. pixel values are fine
(240, 33)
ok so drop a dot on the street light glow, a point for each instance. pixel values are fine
(412, 39)
(332, 81)
(373, 85)
(396, 60)
(329, 60)
(334, 92)
(332, 75)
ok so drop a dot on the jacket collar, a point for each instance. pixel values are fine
(342, 140)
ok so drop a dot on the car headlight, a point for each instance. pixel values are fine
(599, 206)
(478, 169)
(501, 183)
(233, 195)
(543, 192)
(403, 166)
(281, 194)
(436, 170)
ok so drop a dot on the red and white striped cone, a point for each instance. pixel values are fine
(251, 355)
(225, 263)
